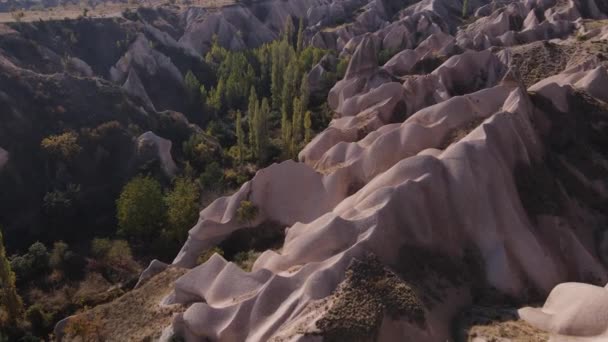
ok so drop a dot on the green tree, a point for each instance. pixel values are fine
(289, 87)
(215, 99)
(262, 130)
(31, 265)
(113, 253)
(213, 177)
(39, 319)
(305, 92)
(63, 146)
(341, 68)
(193, 86)
(465, 8)
(240, 138)
(9, 297)
(307, 127)
(286, 134)
(288, 30)
(58, 255)
(247, 212)
(140, 208)
(300, 41)
(296, 131)
(253, 114)
(182, 207)
(276, 76)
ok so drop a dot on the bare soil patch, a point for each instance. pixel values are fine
(135, 316)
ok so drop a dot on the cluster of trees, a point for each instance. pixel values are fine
(257, 109)
(50, 272)
(263, 93)
(148, 215)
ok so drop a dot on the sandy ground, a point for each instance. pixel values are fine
(105, 10)
(137, 315)
(495, 324)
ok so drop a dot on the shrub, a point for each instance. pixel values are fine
(245, 260)
(246, 212)
(341, 68)
(63, 146)
(100, 248)
(385, 55)
(140, 208)
(206, 255)
(87, 327)
(57, 257)
(10, 300)
(182, 207)
(200, 150)
(113, 253)
(39, 319)
(213, 177)
(193, 85)
(32, 264)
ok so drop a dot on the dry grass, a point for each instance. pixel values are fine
(513, 331)
(104, 10)
(497, 324)
(136, 316)
(594, 24)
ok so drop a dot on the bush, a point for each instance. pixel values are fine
(113, 253)
(140, 208)
(245, 260)
(385, 55)
(100, 248)
(63, 146)
(206, 255)
(200, 150)
(39, 319)
(246, 212)
(57, 257)
(341, 68)
(182, 207)
(31, 265)
(85, 326)
(213, 177)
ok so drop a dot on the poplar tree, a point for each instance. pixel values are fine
(300, 41)
(296, 130)
(288, 30)
(289, 87)
(305, 92)
(252, 113)
(276, 76)
(307, 127)
(240, 138)
(286, 133)
(8, 291)
(262, 126)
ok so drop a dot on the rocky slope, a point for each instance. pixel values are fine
(471, 167)
(466, 164)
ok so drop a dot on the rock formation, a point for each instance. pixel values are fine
(3, 158)
(451, 169)
(151, 146)
(466, 159)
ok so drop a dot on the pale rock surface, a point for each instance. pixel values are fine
(150, 145)
(572, 312)
(417, 163)
(134, 87)
(3, 158)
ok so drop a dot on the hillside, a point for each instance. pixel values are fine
(442, 165)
